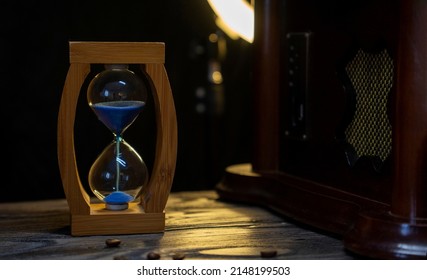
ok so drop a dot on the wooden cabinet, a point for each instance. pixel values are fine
(340, 121)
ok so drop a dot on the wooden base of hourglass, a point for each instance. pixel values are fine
(146, 215)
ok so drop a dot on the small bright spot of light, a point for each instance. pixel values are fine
(217, 77)
(213, 38)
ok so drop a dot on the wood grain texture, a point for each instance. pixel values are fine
(74, 191)
(198, 225)
(166, 142)
(112, 52)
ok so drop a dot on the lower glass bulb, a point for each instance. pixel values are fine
(118, 175)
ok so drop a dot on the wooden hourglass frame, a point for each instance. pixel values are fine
(147, 214)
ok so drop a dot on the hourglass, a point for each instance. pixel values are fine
(118, 175)
(129, 200)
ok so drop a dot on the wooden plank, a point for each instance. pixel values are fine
(198, 225)
(166, 141)
(72, 185)
(112, 52)
(113, 223)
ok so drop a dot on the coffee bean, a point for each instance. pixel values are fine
(153, 256)
(268, 253)
(112, 242)
(178, 256)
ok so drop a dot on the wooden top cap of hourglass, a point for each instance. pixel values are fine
(112, 52)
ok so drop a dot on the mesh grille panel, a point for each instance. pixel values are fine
(370, 130)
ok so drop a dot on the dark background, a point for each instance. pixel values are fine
(34, 57)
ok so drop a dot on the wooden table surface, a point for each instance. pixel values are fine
(198, 226)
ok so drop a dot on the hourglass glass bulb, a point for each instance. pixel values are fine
(118, 175)
(117, 96)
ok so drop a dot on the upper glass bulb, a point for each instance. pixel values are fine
(117, 95)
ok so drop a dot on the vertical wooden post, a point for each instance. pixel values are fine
(410, 142)
(266, 94)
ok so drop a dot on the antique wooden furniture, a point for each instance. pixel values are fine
(340, 121)
(147, 215)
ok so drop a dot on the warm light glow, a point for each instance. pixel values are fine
(235, 18)
(217, 77)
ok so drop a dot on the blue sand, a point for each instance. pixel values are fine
(118, 115)
(118, 198)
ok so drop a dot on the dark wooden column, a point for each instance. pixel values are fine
(410, 188)
(266, 87)
(402, 232)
